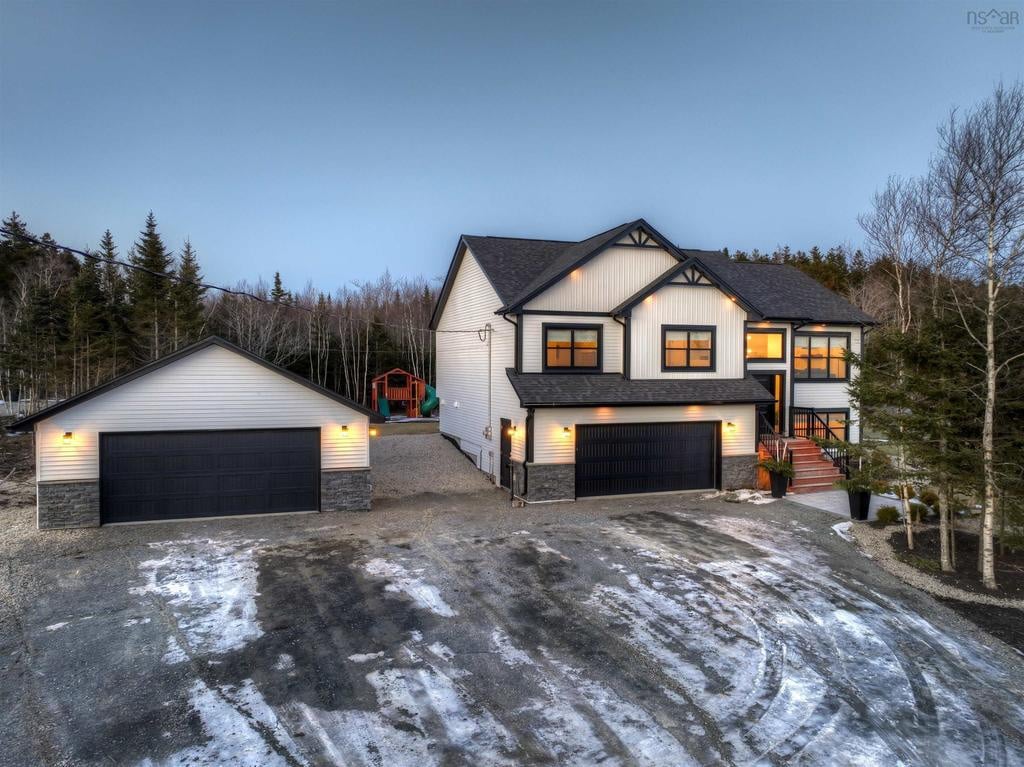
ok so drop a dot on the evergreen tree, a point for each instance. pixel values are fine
(15, 253)
(115, 301)
(149, 291)
(187, 297)
(88, 325)
(278, 294)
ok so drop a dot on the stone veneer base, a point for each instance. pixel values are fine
(739, 471)
(64, 505)
(345, 490)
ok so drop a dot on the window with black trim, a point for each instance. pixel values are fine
(766, 345)
(820, 356)
(687, 347)
(572, 347)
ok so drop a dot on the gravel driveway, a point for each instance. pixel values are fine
(663, 631)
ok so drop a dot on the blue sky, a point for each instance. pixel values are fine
(334, 140)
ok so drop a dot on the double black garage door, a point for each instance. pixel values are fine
(183, 474)
(646, 457)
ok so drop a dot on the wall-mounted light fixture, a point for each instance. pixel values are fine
(566, 432)
(512, 430)
(344, 428)
(575, 274)
(69, 436)
(730, 426)
(373, 431)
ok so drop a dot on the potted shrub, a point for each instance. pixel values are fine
(867, 476)
(780, 472)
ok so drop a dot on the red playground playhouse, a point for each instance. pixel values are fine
(398, 390)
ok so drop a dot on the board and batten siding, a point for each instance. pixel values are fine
(533, 340)
(462, 369)
(605, 281)
(687, 305)
(552, 445)
(826, 396)
(213, 388)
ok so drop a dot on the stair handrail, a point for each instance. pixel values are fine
(831, 444)
(768, 436)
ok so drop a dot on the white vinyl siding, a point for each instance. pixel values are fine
(214, 388)
(687, 305)
(533, 340)
(463, 364)
(830, 395)
(551, 445)
(605, 281)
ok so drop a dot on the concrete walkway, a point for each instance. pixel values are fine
(838, 503)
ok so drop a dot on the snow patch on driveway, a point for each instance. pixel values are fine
(842, 529)
(210, 588)
(241, 730)
(400, 581)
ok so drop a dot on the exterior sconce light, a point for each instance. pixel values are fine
(69, 437)
(344, 428)
(730, 426)
(512, 430)
(373, 431)
(566, 431)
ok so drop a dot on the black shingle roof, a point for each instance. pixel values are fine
(781, 291)
(519, 267)
(589, 390)
(510, 263)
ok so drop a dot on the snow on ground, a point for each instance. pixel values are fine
(241, 730)
(842, 529)
(401, 581)
(210, 587)
(691, 639)
(740, 496)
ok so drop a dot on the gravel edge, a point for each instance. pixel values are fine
(875, 543)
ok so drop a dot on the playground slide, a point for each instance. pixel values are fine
(383, 407)
(430, 402)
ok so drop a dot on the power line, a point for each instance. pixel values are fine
(481, 332)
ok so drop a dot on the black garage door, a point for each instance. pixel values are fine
(181, 474)
(645, 457)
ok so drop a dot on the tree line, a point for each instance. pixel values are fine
(941, 380)
(68, 323)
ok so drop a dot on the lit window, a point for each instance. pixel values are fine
(572, 347)
(765, 344)
(687, 348)
(820, 357)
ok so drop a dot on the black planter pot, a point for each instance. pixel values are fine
(860, 502)
(779, 484)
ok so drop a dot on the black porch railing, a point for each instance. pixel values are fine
(806, 422)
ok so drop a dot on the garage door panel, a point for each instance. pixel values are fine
(645, 458)
(176, 475)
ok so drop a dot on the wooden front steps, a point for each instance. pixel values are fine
(813, 471)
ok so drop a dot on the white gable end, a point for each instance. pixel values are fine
(606, 280)
(213, 388)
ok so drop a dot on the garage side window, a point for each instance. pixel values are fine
(569, 348)
(687, 347)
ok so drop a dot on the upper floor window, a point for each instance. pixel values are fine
(687, 347)
(572, 347)
(820, 356)
(766, 345)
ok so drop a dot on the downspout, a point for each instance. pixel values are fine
(518, 348)
(625, 344)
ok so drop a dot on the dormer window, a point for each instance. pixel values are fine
(687, 347)
(575, 348)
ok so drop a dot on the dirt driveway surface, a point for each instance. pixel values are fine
(453, 630)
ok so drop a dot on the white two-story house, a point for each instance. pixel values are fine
(625, 364)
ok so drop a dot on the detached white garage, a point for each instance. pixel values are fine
(211, 430)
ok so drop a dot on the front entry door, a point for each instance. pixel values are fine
(772, 411)
(506, 454)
